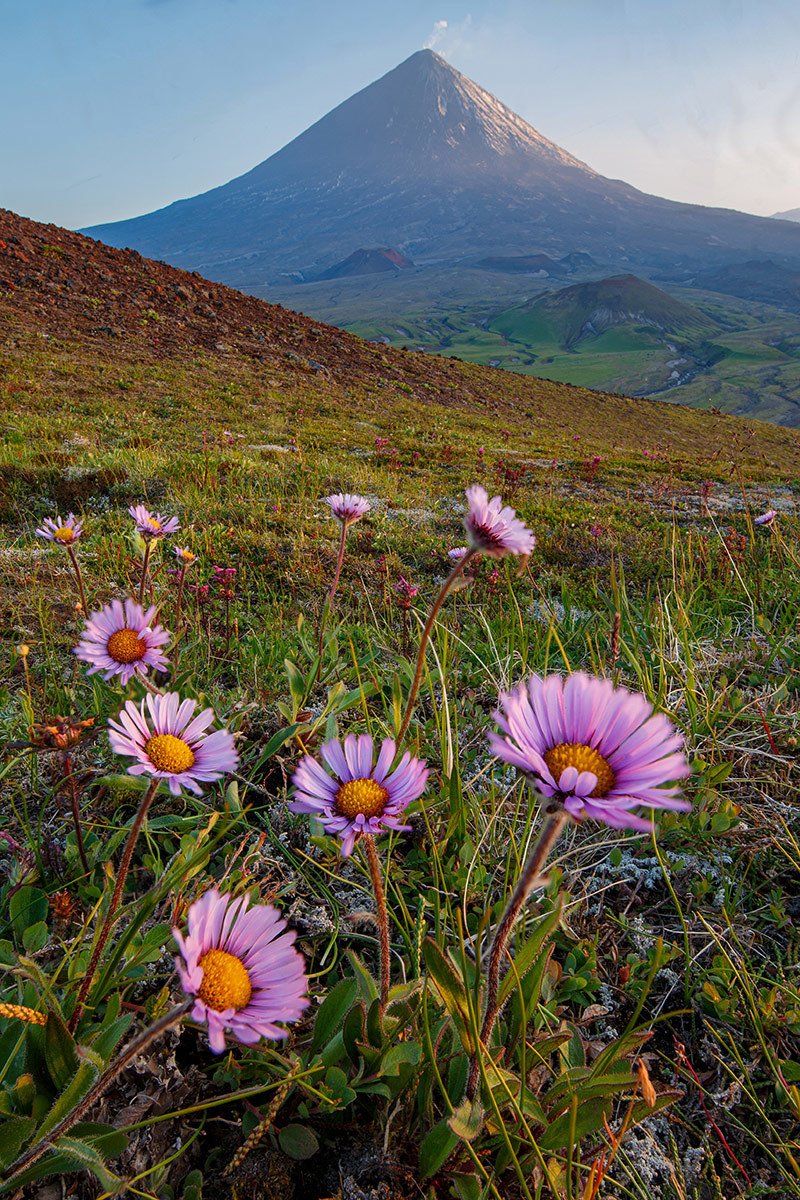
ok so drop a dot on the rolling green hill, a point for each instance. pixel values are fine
(589, 310)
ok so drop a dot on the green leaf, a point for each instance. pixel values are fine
(60, 1051)
(297, 684)
(331, 1012)
(375, 1024)
(275, 742)
(450, 988)
(86, 1074)
(35, 937)
(436, 1149)
(13, 1136)
(193, 1186)
(353, 1032)
(108, 1039)
(457, 1077)
(466, 1121)
(404, 1054)
(542, 1048)
(367, 985)
(334, 1051)
(527, 955)
(72, 1154)
(588, 1119)
(26, 907)
(109, 1141)
(467, 1187)
(641, 1110)
(153, 942)
(298, 1142)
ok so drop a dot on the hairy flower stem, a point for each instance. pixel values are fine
(132, 1051)
(329, 599)
(383, 916)
(76, 811)
(73, 558)
(426, 633)
(145, 565)
(122, 875)
(556, 819)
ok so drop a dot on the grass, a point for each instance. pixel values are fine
(682, 948)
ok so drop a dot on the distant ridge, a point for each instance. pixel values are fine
(427, 161)
(764, 281)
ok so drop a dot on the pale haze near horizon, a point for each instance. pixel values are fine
(110, 111)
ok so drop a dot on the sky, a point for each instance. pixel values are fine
(112, 108)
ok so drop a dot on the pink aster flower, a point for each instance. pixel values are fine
(494, 529)
(239, 962)
(348, 507)
(184, 555)
(358, 797)
(457, 553)
(65, 532)
(169, 742)
(152, 525)
(598, 749)
(766, 518)
(122, 640)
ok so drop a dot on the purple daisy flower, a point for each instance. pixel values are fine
(457, 553)
(152, 525)
(169, 742)
(358, 797)
(121, 640)
(184, 555)
(66, 532)
(598, 749)
(348, 507)
(239, 962)
(766, 518)
(494, 529)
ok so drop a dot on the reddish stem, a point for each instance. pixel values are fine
(383, 916)
(426, 633)
(329, 599)
(76, 813)
(527, 882)
(122, 875)
(77, 569)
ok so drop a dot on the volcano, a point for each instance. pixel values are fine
(427, 161)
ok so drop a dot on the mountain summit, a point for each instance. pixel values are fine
(426, 160)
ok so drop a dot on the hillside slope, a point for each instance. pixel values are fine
(79, 319)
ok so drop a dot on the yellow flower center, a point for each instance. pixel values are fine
(363, 796)
(169, 753)
(225, 982)
(582, 758)
(64, 534)
(125, 646)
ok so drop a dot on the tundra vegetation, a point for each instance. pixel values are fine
(377, 924)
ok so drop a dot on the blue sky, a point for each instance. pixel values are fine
(111, 108)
